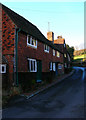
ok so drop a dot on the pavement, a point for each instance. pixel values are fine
(57, 80)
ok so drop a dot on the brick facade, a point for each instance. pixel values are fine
(8, 41)
(25, 52)
(38, 53)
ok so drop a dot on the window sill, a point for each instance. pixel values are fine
(46, 51)
(29, 45)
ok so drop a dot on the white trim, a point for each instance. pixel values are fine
(53, 52)
(2, 65)
(54, 67)
(46, 50)
(34, 69)
(57, 54)
(50, 66)
(30, 44)
(65, 55)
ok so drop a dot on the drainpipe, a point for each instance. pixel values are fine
(16, 47)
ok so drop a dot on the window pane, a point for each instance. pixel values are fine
(50, 65)
(45, 47)
(48, 48)
(3, 69)
(53, 66)
(31, 65)
(34, 42)
(29, 39)
(34, 65)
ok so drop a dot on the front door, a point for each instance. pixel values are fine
(39, 71)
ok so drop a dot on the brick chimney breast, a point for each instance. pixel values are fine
(50, 36)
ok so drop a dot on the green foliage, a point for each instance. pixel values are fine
(70, 50)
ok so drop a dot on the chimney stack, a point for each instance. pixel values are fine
(59, 40)
(50, 36)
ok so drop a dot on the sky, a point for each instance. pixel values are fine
(62, 18)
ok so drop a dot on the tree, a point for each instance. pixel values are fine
(70, 50)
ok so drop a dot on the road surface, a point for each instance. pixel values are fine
(64, 100)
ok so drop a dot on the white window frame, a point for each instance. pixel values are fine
(65, 55)
(33, 60)
(2, 65)
(54, 67)
(58, 54)
(50, 66)
(47, 48)
(53, 52)
(31, 39)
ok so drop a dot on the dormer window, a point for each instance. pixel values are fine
(31, 41)
(46, 48)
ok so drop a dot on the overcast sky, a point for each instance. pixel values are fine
(65, 18)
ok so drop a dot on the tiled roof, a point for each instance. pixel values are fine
(28, 27)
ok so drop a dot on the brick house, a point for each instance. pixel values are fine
(28, 54)
(60, 43)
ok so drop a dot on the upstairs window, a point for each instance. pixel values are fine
(3, 68)
(64, 45)
(46, 48)
(32, 65)
(64, 55)
(53, 52)
(31, 41)
(58, 54)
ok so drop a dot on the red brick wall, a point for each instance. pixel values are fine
(8, 30)
(8, 37)
(25, 52)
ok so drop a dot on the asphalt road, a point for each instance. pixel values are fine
(64, 100)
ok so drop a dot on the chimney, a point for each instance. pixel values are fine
(50, 36)
(59, 40)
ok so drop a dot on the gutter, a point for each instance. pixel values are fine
(16, 50)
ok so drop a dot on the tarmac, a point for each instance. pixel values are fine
(19, 98)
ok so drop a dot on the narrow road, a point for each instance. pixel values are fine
(64, 100)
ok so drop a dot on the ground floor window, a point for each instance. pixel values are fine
(52, 66)
(32, 65)
(59, 66)
(2, 68)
